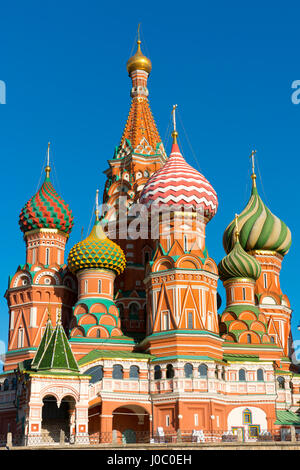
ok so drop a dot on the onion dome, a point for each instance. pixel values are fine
(46, 209)
(97, 252)
(259, 228)
(239, 264)
(177, 183)
(138, 61)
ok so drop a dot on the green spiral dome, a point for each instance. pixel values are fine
(239, 264)
(259, 228)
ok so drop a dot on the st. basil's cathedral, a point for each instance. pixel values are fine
(123, 337)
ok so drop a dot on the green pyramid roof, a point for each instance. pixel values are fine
(43, 344)
(58, 355)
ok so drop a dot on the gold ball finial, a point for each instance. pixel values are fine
(138, 61)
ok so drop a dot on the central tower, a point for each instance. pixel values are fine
(139, 154)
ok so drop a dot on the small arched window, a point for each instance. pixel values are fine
(248, 338)
(96, 374)
(134, 372)
(47, 256)
(6, 385)
(260, 375)
(98, 334)
(202, 369)
(170, 371)
(134, 311)
(188, 370)
(117, 372)
(247, 417)
(157, 373)
(242, 375)
(281, 382)
(99, 286)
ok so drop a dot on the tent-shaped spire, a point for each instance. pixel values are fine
(43, 344)
(58, 355)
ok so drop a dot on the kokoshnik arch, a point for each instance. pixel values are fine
(125, 335)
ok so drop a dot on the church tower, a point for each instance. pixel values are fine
(43, 283)
(267, 239)
(181, 279)
(139, 154)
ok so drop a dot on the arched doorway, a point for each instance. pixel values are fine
(132, 424)
(56, 417)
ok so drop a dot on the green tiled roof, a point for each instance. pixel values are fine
(58, 354)
(96, 354)
(287, 418)
(43, 344)
(240, 357)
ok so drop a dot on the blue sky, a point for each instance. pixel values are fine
(228, 65)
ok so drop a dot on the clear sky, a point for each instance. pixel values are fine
(228, 65)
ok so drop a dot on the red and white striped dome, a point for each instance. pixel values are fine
(179, 184)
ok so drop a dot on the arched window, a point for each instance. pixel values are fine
(157, 373)
(223, 375)
(6, 385)
(121, 310)
(98, 334)
(272, 339)
(134, 311)
(20, 338)
(281, 382)
(248, 338)
(134, 372)
(117, 372)
(242, 375)
(96, 374)
(188, 370)
(260, 375)
(170, 371)
(99, 286)
(202, 369)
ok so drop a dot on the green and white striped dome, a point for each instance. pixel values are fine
(259, 228)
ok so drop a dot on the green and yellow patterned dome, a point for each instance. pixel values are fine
(97, 252)
(259, 228)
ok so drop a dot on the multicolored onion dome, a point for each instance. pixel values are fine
(239, 264)
(46, 209)
(97, 252)
(176, 183)
(259, 228)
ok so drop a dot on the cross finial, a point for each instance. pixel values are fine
(48, 169)
(174, 133)
(237, 233)
(253, 175)
(97, 205)
(138, 33)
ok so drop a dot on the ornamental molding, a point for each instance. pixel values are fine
(47, 273)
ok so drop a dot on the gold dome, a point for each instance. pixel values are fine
(138, 61)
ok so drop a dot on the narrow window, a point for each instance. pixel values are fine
(265, 281)
(188, 371)
(185, 240)
(242, 375)
(157, 373)
(249, 339)
(170, 371)
(260, 375)
(196, 420)
(99, 286)
(98, 334)
(33, 255)
(166, 322)
(117, 372)
(247, 417)
(168, 243)
(86, 287)
(202, 369)
(58, 256)
(280, 381)
(190, 321)
(167, 420)
(244, 293)
(47, 256)
(20, 338)
(134, 373)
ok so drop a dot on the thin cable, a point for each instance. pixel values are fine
(93, 212)
(42, 170)
(189, 143)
